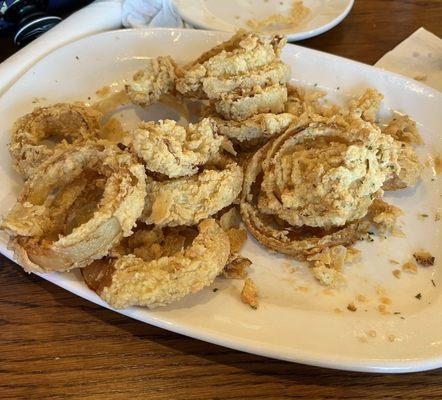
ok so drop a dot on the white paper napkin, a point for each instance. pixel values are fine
(151, 13)
(102, 15)
(418, 57)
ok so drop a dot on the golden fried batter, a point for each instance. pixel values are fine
(150, 83)
(37, 224)
(249, 294)
(299, 242)
(404, 130)
(61, 124)
(245, 61)
(243, 105)
(321, 175)
(188, 200)
(256, 129)
(367, 105)
(172, 150)
(130, 280)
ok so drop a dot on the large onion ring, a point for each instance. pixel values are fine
(69, 122)
(297, 242)
(47, 196)
(129, 280)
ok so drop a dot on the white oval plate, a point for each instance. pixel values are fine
(231, 15)
(296, 320)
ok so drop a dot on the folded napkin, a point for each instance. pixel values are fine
(418, 57)
(102, 15)
(151, 13)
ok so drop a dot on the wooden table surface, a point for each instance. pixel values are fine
(56, 345)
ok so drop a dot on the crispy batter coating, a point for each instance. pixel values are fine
(188, 200)
(404, 130)
(384, 215)
(155, 80)
(129, 280)
(323, 175)
(245, 61)
(255, 130)
(249, 293)
(272, 232)
(61, 124)
(367, 105)
(172, 150)
(41, 233)
(243, 105)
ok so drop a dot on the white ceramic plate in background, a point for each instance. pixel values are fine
(296, 320)
(231, 15)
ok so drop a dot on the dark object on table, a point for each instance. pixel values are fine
(28, 19)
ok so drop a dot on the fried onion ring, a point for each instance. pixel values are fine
(130, 280)
(277, 235)
(155, 80)
(255, 130)
(245, 61)
(188, 200)
(172, 150)
(324, 175)
(245, 104)
(36, 224)
(68, 123)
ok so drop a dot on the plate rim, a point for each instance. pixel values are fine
(349, 364)
(292, 37)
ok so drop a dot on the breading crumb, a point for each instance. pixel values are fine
(361, 298)
(393, 261)
(385, 300)
(249, 294)
(420, 77)
(371, 333)
(237, 269)
(409, 267)
(351, 307)
(391, 338)
(382, 308)
(397, 273)
(424, 258)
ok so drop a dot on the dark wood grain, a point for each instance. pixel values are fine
(54, 345)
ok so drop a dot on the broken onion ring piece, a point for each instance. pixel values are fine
(172, 150)
(155, 80)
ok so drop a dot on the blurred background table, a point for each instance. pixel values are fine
(56, 345)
